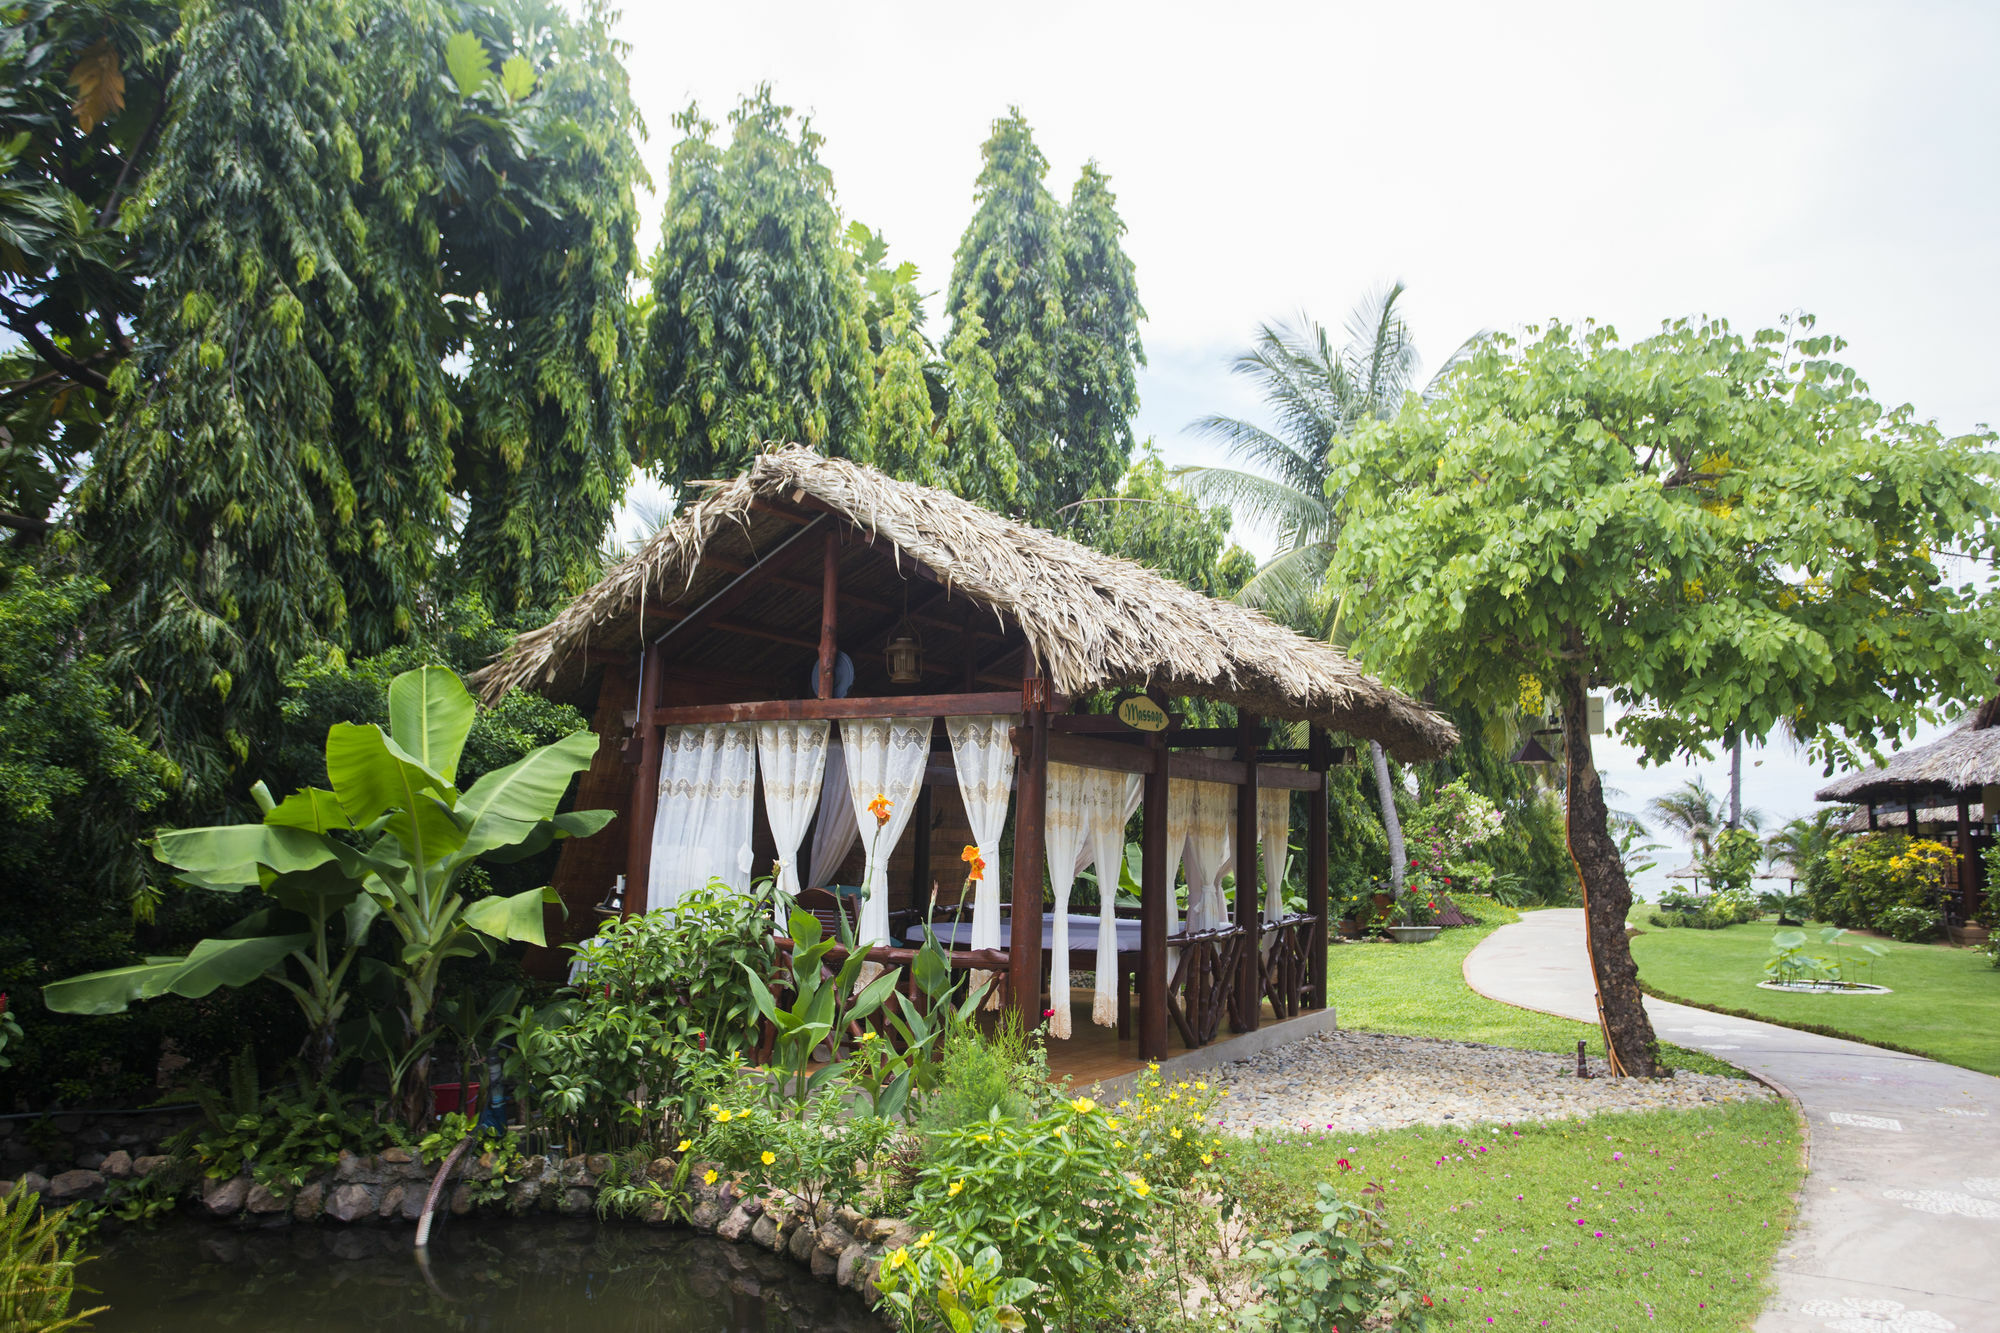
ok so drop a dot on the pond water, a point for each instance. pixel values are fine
(536, 1276)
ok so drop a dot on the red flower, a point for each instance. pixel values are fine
(3, 1002)
(1048, 1013)
(972, 858)
(702, 1038)
(1344, 1164)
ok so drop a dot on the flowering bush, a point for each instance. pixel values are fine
(1166, 1127)
(1867, 875)
(926, 1285)
(1062, 1197)
(1453, 822)
(1910, 924)
(809, 1154)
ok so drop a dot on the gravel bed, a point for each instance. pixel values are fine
(1365, 1081)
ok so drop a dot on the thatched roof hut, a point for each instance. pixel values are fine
(1963, 760)
(1091, 621)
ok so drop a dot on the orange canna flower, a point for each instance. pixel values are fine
(880, 807)
(977, 866)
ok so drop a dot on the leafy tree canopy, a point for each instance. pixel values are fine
(1155, 522)
(759, 329)
(1725, 531)
(380, 347)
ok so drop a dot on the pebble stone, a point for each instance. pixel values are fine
(1360, 1081)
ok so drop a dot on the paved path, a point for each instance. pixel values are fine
(1899, 1226)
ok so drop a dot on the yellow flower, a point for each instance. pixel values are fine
(982, 1138)
(1083, 1106)
(1123, 1104)
(1207, 1160)
(715, 1109)
(709, 1178)
(898, 1257)
(1152, 1069)
(1118, 1143)
(768, 1157)
(1199, 1086)
(1182, 1085)
(685, 1144)
(923, 1241)
(1149, 1157)
(1111, 1124)
(1140, 1187)
(1175, 1132)
(956, 1186)
(870, 1035)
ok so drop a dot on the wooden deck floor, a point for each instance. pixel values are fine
(1094, 1053)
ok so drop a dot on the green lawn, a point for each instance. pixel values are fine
(1418, 990)
(1540, 1226)
(1946, 1003)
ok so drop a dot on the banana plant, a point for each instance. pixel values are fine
(820, 1010)
(388, 843)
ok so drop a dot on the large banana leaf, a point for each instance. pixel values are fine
(371, 773)
(209, 964)
(537, 837)
(517, 917)
(311, 808)
(232, 853)
(505, 806)
(430, 713)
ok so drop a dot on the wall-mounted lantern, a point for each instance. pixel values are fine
(905, 650)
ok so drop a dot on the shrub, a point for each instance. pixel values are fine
(1335, 1278)
(1910, 924)
(650, 1032)
(811, 1154)
(979, 1074)
(1734, 861)
(37, 1267)
(1064, 1197)
(1867, 875)
(928, 1286)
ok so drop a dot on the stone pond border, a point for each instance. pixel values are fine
(837, 1245)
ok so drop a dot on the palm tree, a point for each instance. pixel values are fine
(1691, 811)
(1318, 396)
(1803, 841)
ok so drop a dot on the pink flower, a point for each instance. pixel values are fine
(1618, 1157)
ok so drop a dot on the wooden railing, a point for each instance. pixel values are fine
(1285, 965)
(1203, 985)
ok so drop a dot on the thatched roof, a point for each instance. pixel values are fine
(1964, 759)
(1091, 620)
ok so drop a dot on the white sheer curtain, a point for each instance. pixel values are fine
(982, 749)
(792, 756)
(885, 757)
(1180, 819)
(834, 829)
(1209, 853)
(708, 800)
(1274, 827)
(1134, 789)
(1065, 828)
(1110, 802)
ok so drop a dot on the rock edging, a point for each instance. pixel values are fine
(838, 1245)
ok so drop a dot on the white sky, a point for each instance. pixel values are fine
(1509, 162)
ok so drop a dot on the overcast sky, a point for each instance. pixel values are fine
(1508, 162)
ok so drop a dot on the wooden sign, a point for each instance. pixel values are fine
(1142, 714)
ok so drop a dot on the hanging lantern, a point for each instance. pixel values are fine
(906, 654)
(1532, 751)
(905, 650)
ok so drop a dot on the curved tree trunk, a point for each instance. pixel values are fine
(1392, 823)
(1607, 897)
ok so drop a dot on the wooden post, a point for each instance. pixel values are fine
(1154, 888)
(1318, 754)
(645, 782)
(829, 613)
(1031, 773)
(1249, 970)
(1968, 895)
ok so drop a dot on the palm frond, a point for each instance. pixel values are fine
(1380, 347)
(1296, 517)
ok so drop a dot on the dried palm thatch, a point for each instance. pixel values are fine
(1963, 759)
(1091, 620)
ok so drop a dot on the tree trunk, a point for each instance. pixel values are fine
(1392, 823)
(1607, 897)
(1736, 782)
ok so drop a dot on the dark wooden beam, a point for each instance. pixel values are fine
(1250, 963)
(645, 787)
(829, 614)
(798, 710)
(1317, 869)
(1154, 889)
(1091, 752)
(1031, 774)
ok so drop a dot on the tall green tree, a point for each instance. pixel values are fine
(1152, 520)
(1725, 530)
(759, 325)
(83, 97)
(1318, 395)
(1057, 305)
(386, 251)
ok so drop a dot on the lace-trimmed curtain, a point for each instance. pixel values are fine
(834, 829)
(708, 799)
(1180, 818)
(1209, 853)
(1274, 829)
(982, 750)
(1110, 803)
(885, 757)
(792, 756)
(1065, 828)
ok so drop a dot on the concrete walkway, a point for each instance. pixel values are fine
(1899, 1225)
